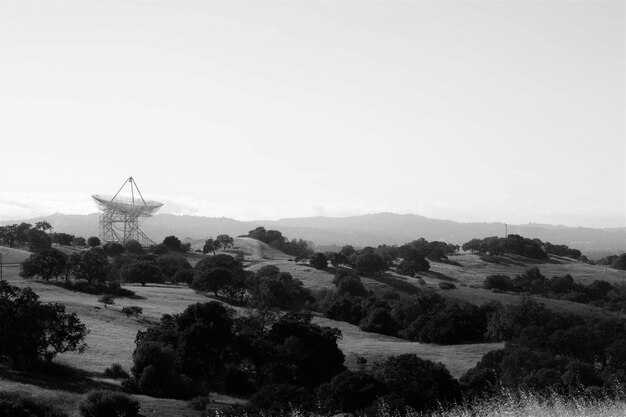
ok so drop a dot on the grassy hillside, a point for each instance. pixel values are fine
(13, 256)
(112, 334)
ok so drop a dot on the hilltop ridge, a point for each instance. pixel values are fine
(363, 230)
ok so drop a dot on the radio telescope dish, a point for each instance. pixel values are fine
(121, 214)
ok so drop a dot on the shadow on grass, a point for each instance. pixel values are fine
(88, 288)
(501, 260)
(396, 283)
(230, 301)
(445, 261)
(55, 376)
(439, 275)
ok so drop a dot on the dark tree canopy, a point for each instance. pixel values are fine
(93, 241)
(142, 271)
(113, 248)
(271, 288)
(207, 348)
(62, 238)
(420, 383)
(31, 331)
(134, 247)
(210, 245)
(93, 266)
(38, 240)
(370, 264)
(172, 242)
(351, 392)
(49, 263)
(225, 241)
(318, 261)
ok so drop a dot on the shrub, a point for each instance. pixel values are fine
(116, 371)
(108, 404)
(498, 282)
(446, 285)
(200, 403)
(134, 311)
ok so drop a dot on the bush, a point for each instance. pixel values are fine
(134, 311)
(498, 282)
(447, 285)
(108, 404)
(200, 403)
(116, 371)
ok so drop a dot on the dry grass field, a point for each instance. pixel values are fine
(112, 334)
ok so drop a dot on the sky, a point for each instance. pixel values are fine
(509, 111)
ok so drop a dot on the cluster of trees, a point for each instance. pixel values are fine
(37, 237)
(297, 248)
(32, 331)
(598, 293)
(220, 242)
(130, 263)
(512, 244)
(281, 361)
(268, 288)
(425, 317)
(408, 259)
(564, 250)
(549, 351)
(614, 261)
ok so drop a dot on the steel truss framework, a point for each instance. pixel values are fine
(120, 218)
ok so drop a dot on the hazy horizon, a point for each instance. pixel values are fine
(509, 112)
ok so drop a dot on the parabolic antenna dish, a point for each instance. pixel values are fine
(127, 205)
(120, 214)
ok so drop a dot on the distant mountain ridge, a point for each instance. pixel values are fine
(369, 229)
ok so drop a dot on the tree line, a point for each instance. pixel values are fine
(599, 293)
(518, 245)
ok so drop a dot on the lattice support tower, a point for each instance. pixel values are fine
(121, 215)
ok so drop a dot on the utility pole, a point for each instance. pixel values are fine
(506, 230)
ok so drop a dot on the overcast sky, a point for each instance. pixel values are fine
(469, 111)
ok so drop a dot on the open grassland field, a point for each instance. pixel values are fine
(473, 270)
(12, 256)
(375, 347)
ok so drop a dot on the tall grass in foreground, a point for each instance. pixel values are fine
(526, 405)
(501, 405)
